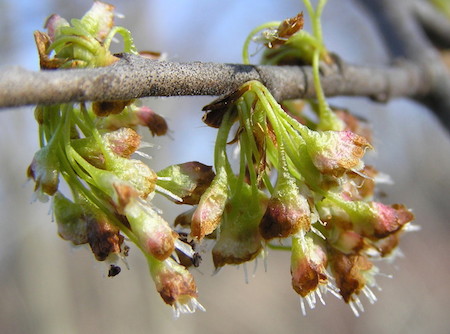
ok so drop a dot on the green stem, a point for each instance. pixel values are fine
(268, 25)
(128, 43)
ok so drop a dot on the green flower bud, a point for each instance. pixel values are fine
(287, 212)
(44, 170)
(239, 239)
(123, 142)
(334, 152)
(187, 181)
(208, 214)
(70, 218)
(155, 122)
(136, 173)
(153, 233)
(99, 20)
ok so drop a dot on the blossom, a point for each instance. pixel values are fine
(188, 181)
(208, 215)
(44, 170)
(308, 265)
(239, 239)
(334, 152)
(176, 286)
(153, 233)
(287, 211)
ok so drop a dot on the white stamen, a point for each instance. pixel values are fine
(302, 306)
(411, 227)
(245, 272)
(145, 144)
(255, 267)
(317, 232)
(362, 175)
(310, 301)
(369, 294)
(355, 311)
(164, 178)
(358, 303)
(168, 193)
(319, 294)
(333, 290)
(184, 248)
(143, 155)
(383, 178)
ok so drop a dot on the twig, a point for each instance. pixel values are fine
(405, 38)
(135, 77)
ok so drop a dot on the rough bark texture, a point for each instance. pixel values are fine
(134, 77)
(419, 74)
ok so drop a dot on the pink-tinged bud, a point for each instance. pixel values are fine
(176, 286)
(99, 20)
(123, 142)
(153, 233)
(188, 181)
(373, 219)
(53, 24)
(71, 221)
(354, 124)
(103, 237)
(335, 152)
(352, 273)
(308, 264)
(287, 212)
(44, 170)
(155, 122)
(346, 241)
(208, 214)
(390, 219)
(106, 108)
(239, 239)
(136, 173)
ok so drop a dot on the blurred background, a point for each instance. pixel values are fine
(47, 286)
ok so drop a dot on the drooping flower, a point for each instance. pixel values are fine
(154, 234)
(70, 219)
(288, 211)
(44, 170)
(208, 214)
(239, 240)
(176, 286)
(354, 274)
(335, 152)
(308, 265)
(188, 181)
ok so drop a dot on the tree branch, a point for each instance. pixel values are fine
(135, 77)
(398, 22)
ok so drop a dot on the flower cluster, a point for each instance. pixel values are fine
(301, 186)
(91, 147)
